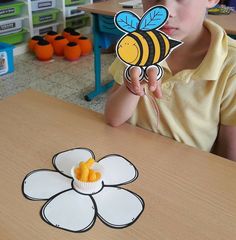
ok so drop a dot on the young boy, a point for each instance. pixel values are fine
(195, 101)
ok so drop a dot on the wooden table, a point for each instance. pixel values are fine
(188, 194)
(105, 33)
(226, 21)
(111, 7)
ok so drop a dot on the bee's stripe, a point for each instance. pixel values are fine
(140, 48)
(162, 45)
(145, 53)
(156, 45)
(150, 46)
(167, 44)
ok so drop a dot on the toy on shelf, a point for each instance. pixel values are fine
(50, 36)
(72, 51)
(43, 50)
(73, 36)
(66, 32)
(33, 41)
(59, 44)
(86, 45)
(70, 44)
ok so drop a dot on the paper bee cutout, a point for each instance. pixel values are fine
(143, 45)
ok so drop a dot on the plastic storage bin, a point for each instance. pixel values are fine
(106, 24)
(74, 2)
(78, 22)
(37, 5)
(6, 58)
(45, 16)
(232, 3)
(13, 38)
(10, 9)
(10, 26)
(42, 30)
(73, 11)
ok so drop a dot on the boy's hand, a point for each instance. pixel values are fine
(137, 87)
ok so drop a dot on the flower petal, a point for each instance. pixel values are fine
(117, 170)
(43, 184)
(70, 211)
(118, 207)
(64, 161)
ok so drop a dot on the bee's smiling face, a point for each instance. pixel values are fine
(127, 50)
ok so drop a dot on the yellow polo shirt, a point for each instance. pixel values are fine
(195, 101)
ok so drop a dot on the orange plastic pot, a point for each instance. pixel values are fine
(33, 41)
(59, 44)
(73, 36)
(50, 36)
(85, 45)
(67, 31)
(43, 50)
(72, 51)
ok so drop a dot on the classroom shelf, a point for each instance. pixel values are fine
(28, 9)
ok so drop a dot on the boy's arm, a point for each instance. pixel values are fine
(225, 145)
(120, 105)
(123, 99)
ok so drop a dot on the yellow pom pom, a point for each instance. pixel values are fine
(90, 162)
(84, 172)
(92, 176)
(77, 173)
(98, 175)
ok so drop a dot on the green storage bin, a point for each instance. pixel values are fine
(45, 16)
(10, 9)
(74, 2)
(14, 38)
(78, 22)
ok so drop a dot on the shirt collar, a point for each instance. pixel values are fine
(210, 67)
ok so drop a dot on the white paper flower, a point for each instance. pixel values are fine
(71, 210)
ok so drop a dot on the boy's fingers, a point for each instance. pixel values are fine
(134, 75)
(158, 93)
(152, 78)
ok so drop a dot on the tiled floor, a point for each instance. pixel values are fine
(65, 80)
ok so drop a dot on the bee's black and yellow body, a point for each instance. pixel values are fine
(145, 48)
(143, 45)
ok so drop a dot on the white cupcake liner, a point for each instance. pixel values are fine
(88, 187)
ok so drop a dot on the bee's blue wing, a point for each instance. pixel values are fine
(154, 18)
(127, 21)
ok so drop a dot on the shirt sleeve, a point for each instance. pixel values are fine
(228, 103)
(116, 70)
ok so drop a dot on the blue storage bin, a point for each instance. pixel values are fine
(232, 3)
(6, 58)
(107, 25)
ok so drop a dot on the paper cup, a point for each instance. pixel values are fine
(88, 187)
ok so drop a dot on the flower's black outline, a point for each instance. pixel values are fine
(44, 217)
(55, 156)
(124, 225)
(123, 183)
(32, 172)
(96, 214)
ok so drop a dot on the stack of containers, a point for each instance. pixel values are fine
(76, 18)
(6, 58)
(11, 22)
(44, 16)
